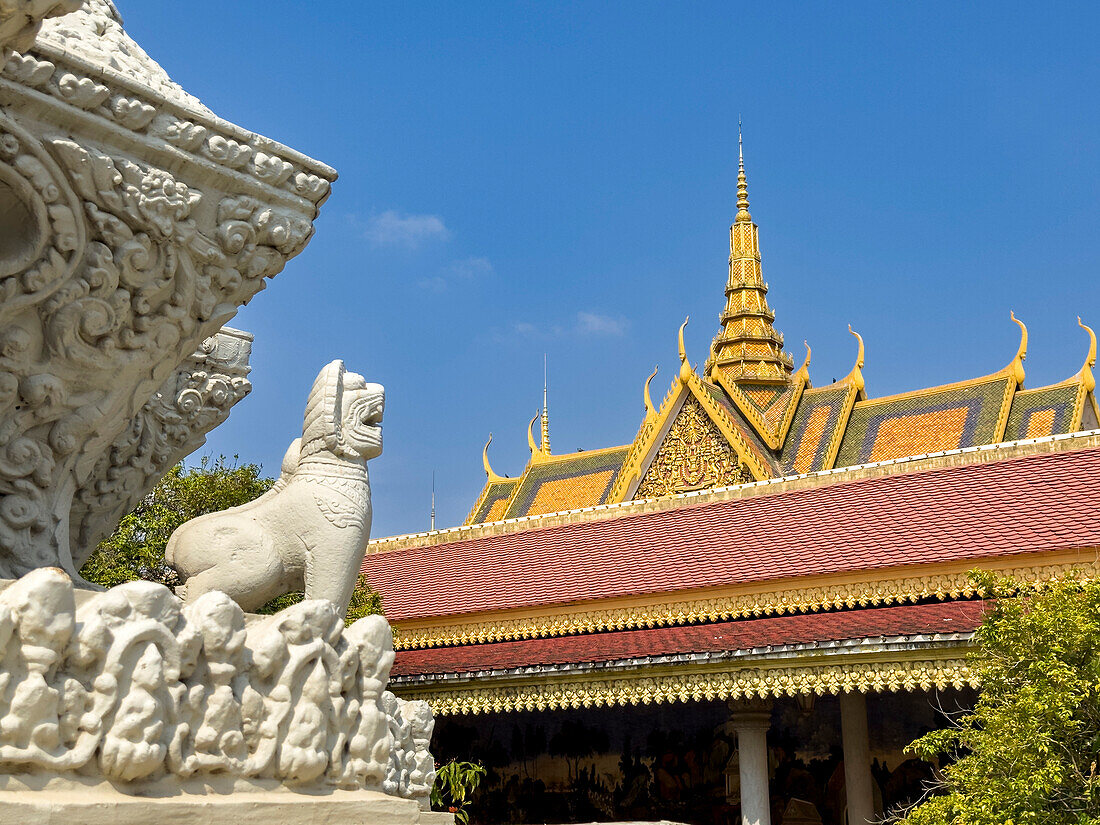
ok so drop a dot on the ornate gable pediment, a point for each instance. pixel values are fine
(693, 455)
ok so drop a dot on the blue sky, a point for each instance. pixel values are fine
(529, 178)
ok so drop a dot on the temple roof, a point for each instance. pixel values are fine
(784, 547)
(748, 417)
(729, 637)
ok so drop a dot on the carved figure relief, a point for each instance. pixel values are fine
(134, 686)
(693, 456)
(310, 533)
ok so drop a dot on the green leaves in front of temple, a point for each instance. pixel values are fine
(136, 549)
(454, 784)
(1028, 754)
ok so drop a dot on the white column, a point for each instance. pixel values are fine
(751, 725)
(857, 758)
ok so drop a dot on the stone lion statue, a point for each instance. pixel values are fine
(309, 531)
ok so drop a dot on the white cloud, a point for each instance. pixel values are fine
(592, 323)
(585, 324)
(468, 269)
(392, 228)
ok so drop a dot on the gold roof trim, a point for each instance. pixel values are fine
(873, 588)
(942, 666)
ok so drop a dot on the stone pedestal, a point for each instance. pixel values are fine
(104, 807)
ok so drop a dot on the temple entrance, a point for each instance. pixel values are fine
(681, 762)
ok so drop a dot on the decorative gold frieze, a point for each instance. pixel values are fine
(694, 456)
(932, 669)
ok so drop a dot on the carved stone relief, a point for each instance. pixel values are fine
(693, 456)
(137, 223)
(134, 688)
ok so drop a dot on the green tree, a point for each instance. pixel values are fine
(365, 601)
(136, 549)
(1027, 754)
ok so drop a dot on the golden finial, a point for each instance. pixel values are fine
(856, 375)
(485, 461)
(1017, 365)
(531, 434)
(743, 215)
(545, 409)
(804, 370)
(1090, 359)
(685, 368)
(649, 408)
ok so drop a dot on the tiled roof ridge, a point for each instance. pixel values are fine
(1009, 451)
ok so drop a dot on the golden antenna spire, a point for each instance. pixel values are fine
(433, 501)
(531, 434)
(743, 215)
(545, 409)
(649, 408)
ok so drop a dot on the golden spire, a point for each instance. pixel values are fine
(545, 409)
(747, 348)
(743, 215)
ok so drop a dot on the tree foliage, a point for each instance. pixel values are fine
(136, 549)
(1027, 754)
(455, 783)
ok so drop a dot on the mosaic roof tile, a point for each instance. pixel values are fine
(1043, 411)
(926, 421)
(818, 422)
(567, 482)
(493, 501)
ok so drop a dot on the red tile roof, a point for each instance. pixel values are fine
(746, 634)
(1040, 502)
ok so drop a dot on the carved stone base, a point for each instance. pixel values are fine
(109, 807)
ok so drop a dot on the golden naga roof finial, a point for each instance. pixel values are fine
(804, 370)
(743, 215)
(649, 408)
(856, 375)
(685, 367)
(531, 435)
(1090, 359)
(1017, 365)
(485, 461)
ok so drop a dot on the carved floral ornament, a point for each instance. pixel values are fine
(920, 674)
(136, 224)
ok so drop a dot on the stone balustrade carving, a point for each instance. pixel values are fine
(134, 688)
